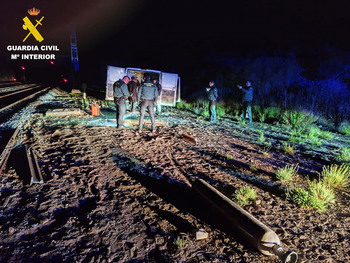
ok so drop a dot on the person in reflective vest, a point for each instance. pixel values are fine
(247, 101)
(147, 96)
(121, 93)
(159, 88)
(132, 86)
(212, 96)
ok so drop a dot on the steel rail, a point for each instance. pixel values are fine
(26, 89)
(10, 88)
(7, 150)
(22, 100)
(36, 176)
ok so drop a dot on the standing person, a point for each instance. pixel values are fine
(121, 94)
(247, 101)
(159, 88)
(147, 96)
(132, 87)
(212, 96)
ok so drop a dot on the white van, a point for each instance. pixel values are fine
(170, 82)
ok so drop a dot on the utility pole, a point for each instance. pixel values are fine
(74, 59)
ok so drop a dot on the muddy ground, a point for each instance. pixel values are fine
(117, 196)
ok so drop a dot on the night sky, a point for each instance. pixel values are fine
(176, 35)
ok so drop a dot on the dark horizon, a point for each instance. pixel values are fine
(178, 36)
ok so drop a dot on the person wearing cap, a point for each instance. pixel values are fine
(132, 87)
(247, 101)
(147, 96)
(121, 93)
(212, 96)
(159, 88)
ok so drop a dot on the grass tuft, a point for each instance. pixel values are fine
(288, 148)
(229, 157)
(295, 119)
(245, 195)
(183, 105)
(286, 173)
(220, 110)
(180, 242)
(345, 129)
(326, 135)
(318, 196)
(336, 175)
(241, 122)
(266, 151)
(344, 154)
(253, 167)
(296, 139)
(261, 137)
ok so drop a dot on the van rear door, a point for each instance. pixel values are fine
(169, 82)
(113, 74)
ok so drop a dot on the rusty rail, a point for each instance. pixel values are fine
(36, 176)
(7, 150)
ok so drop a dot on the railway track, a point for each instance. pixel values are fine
(29, 163)
(9, 84)
(14, 98)
(7, 90)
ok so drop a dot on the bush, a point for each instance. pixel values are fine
(205, 112)
(326, 135)
(220, 110)
(313, 133)
(286, 173)
(296, 132)
(344, 154)
(299, 196)
(245, 195)
(265, 113)
(183, 105)
(294, 118)
(296, 139)
(321, 196)
(345, 129)
(316, 141)
(336, 175)
(318, 196)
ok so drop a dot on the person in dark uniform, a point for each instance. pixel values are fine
(247, 101)
(132, 87)
(212, 96)
(159, 88)
(121, 93)
(147, 96)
